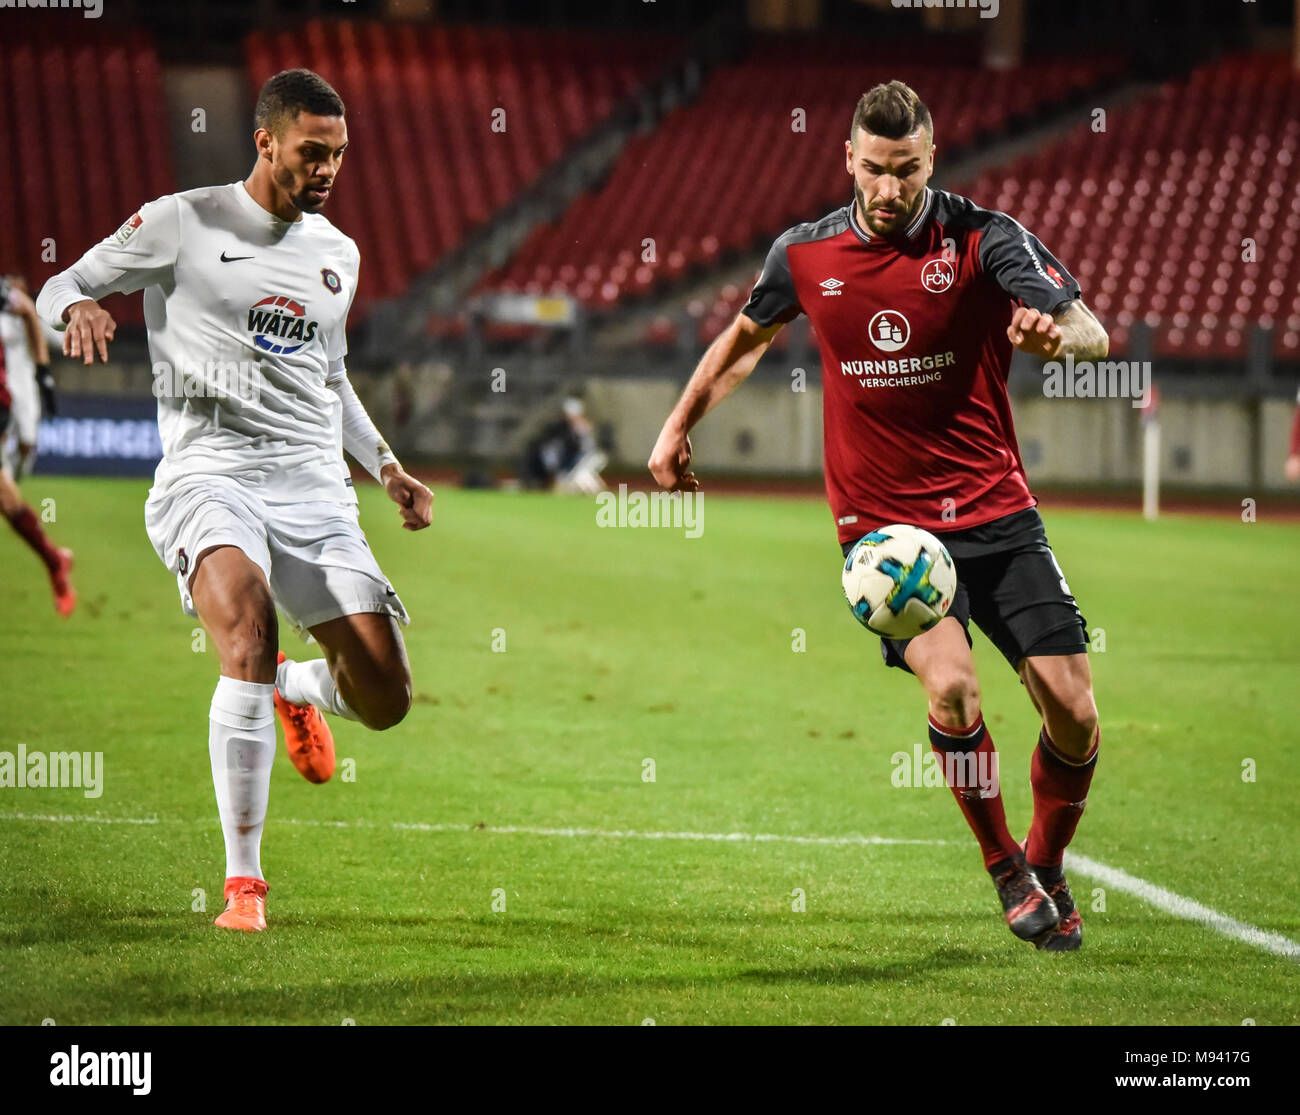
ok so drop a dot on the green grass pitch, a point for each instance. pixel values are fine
(621, 646)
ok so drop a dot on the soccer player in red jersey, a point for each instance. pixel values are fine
(58, 562)
(917, 296)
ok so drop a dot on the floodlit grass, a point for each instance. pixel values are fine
(395, 898)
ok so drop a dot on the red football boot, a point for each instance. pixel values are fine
(307, 737)
(245, 905)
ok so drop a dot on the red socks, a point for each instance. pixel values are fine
(29, 527)
(1060, 786)
(971, 771)
(1060, 792)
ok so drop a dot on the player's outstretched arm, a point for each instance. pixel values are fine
(363, 441)
(725, 364)
(90, 328)
(413, 499)
(139, 254)
(66, 303)
(1074, 331)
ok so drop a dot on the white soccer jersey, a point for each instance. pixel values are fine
(246, 316)
(19, 365)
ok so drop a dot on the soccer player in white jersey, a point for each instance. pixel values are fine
(31, 384)
(16, 307)
(247, 290)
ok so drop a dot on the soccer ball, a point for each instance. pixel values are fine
(899, 581)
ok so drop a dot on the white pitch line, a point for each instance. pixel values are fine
(853, 840)
(1171, 903)
(1184, 908)
(88, 819)
(633, 834)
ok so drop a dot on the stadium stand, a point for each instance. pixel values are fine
(1153, 214)
(82, 125)
(717, 178)
(427, 166)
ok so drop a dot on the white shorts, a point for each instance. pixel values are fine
(314, 555)
(24, 422)
(25, 410)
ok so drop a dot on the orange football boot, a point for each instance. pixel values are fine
(245, 905)
(65, 596)
(307, 737)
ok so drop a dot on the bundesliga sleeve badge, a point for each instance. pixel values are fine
(123, 234)
(331, 280)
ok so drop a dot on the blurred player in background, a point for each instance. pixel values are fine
(917, 296)
(25, 365)
(1292, 468)
(247, 292)
(563, 456)
(27, 359)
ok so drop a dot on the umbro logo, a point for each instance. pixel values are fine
(830, 287)
(232, 259)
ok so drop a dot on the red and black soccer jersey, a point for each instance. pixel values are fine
(915, 355)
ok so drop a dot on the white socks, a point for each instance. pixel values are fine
(241, 745)
(309, 683)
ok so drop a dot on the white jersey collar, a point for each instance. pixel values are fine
(246, 202)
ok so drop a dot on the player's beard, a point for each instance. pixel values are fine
(296, 191)
(896, 225)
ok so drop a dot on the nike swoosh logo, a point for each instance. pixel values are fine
(232, 259)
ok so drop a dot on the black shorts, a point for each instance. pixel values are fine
(1009, 583)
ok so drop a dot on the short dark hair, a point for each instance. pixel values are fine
(892, 110)
(290, 92)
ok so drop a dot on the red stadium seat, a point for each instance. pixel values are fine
(702, 187)
(1176, 211)
(422, 101)
(96, 92)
